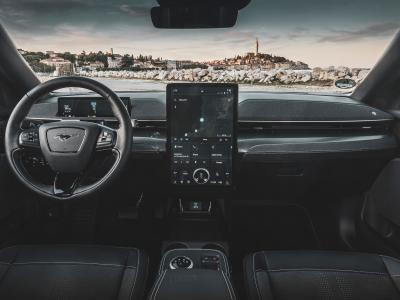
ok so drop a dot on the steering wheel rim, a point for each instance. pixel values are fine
(121, 145)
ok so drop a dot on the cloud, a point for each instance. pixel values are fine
(42, 16)
(297, 33)
(134, 11)
(372, 31)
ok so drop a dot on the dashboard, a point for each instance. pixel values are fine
(277, 138)
(268, 123)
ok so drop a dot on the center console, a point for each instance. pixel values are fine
(195, 274)
(201, 151)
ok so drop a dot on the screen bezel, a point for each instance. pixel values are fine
(235, 89)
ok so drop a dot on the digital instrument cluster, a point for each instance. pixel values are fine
(202, 133)
(87, 107)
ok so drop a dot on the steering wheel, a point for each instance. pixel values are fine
(68, 146)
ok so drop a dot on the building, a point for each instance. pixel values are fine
(22, 52)
(171, 65)
(51, 54)
(96, 65)
(114, 63)
(110, 52)
(178, 64)
(284, 65)
(159, 65)
(63, 67)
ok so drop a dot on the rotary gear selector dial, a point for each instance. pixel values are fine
(181, 262)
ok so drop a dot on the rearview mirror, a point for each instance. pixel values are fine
(196, 16)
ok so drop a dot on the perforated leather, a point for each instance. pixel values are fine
(317, 275)
(72, 272)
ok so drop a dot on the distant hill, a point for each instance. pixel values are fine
(260, 60)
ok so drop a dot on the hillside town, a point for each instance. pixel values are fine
(252, 67)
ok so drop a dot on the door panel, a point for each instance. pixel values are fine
(382, 205)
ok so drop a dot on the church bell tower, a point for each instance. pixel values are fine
(256, 52)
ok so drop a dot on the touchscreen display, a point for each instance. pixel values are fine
(201, 120)
(87, 107)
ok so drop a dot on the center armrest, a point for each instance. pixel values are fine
(195, 274)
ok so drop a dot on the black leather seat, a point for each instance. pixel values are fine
(317, 275)
(72, 272)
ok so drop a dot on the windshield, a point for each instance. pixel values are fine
(283, 45)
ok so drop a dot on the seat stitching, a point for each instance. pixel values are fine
(80, 246)
(269, 277)
(230, 289)
(266, 260)
(121, 281)
(157, 287)
(76, 246)
(327, 270)
(136, 275)
(255, 276)
(9, 265)
(68, 263)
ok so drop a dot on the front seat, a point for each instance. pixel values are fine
(318, 275)
(72, 273)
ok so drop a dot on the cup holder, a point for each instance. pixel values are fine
(214, 246)
(175, 246)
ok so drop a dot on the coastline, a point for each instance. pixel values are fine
(157, 80)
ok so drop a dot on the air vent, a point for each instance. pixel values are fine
(151, 124)
(110, 123)
(313, 127)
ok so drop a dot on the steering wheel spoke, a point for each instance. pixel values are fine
(106, 139)
(65, 185)
(29, 138)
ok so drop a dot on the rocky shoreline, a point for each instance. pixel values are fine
(316, 76)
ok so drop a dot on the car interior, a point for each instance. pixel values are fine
(202, 190)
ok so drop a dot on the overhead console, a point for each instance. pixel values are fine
(201, 139)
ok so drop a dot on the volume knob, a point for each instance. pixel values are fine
(201, 176)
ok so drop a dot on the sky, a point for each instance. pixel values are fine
(321, 33)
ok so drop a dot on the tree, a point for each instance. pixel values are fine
(69, 56)
(127, 61)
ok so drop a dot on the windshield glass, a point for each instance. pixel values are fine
(283, 45)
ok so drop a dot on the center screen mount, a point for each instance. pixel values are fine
(201, 133)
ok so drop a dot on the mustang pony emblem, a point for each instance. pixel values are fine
(64, 137)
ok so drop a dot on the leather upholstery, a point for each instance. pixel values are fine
(198, 283)
(318, 275)
(195, 284)
(72, 272)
